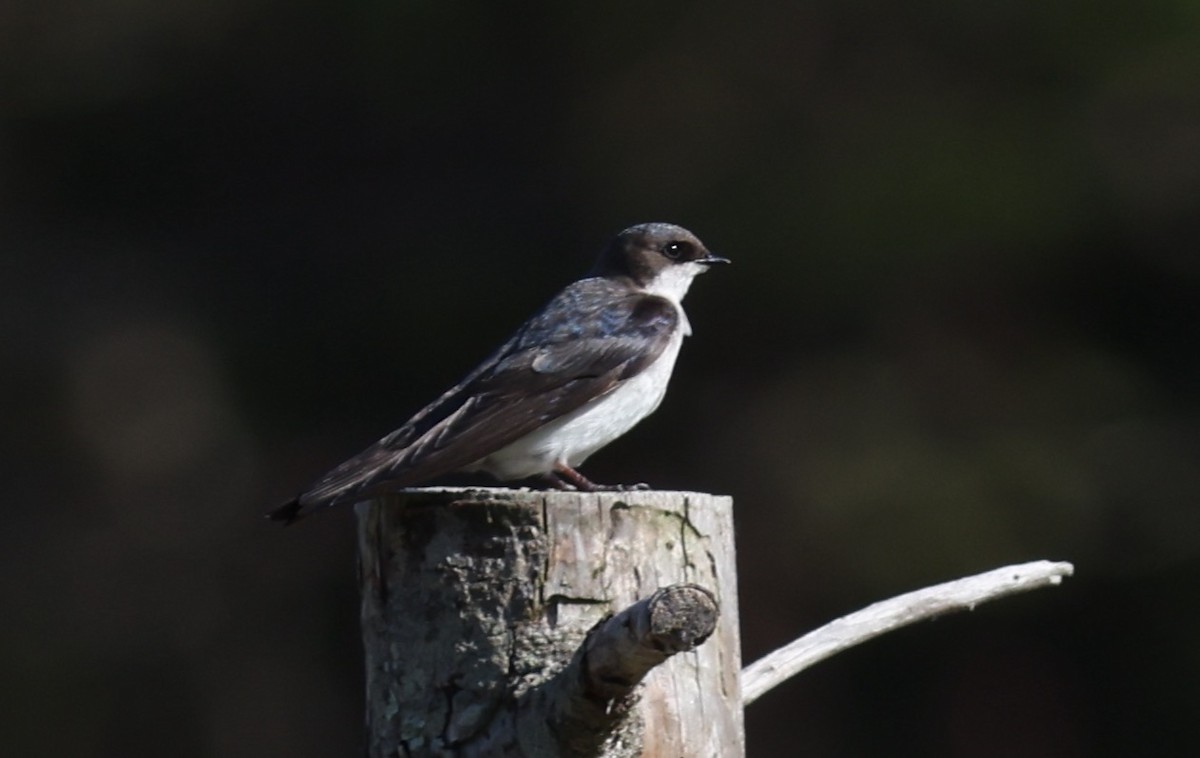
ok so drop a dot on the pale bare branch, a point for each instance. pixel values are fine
(885, 616)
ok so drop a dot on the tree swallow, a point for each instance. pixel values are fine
(581, 372)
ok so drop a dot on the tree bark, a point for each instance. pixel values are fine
(506, 622)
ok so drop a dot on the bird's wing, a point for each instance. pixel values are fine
(551, 367)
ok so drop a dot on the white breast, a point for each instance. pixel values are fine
(577, 435)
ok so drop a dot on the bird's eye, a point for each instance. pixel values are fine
(677, 250)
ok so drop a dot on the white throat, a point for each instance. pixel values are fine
(673, 281)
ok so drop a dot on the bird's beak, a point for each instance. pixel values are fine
(711, 259)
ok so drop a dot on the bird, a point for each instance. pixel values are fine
(581, 372)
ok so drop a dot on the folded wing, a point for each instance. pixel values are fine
(555, 364)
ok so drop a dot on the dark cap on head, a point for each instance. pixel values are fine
(641, 252)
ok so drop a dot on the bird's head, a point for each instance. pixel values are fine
(660, 258)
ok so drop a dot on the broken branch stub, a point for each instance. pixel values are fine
(489, 626)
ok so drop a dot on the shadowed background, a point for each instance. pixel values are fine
(242, 240)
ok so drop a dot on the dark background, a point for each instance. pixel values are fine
(243, 239)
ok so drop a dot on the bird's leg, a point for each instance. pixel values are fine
(556, 481)
(573, 477)
(564, 477)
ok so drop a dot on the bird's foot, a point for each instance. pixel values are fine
(557, 482)
(576, 480)
(566, 478)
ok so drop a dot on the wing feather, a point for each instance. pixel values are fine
(576, 349)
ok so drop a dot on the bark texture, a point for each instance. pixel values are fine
(504, 622)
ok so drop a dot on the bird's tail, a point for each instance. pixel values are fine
(356, 479)
(289, 512)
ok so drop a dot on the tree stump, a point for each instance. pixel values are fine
(503, 622)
